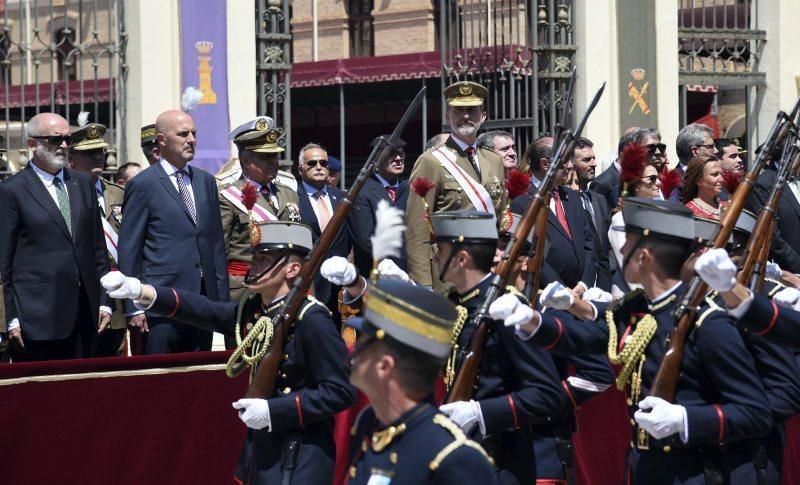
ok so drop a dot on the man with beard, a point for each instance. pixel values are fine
(87, 155)
(53, 305)
(171, 234)
(465, 177)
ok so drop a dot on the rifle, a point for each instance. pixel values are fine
(666, 379)
(263, 383)
(465, 377)
(756, 280)
(536, 259)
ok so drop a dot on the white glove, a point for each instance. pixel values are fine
(466, 414)
(557, 296)
(664, 419)
(788, 298)
(254, 413)
(716, 268)
(119, 286)
(339, 271)
(388, 270)
(597, 295)
(512, 311)
(774, 271)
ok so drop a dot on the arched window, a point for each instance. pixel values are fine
(65, 46)
(359, 22)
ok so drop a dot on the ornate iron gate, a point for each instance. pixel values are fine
(521, 50)
(273, 66)
(63, 56)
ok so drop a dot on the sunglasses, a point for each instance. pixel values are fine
(651, 148)
(55, 140)
(651, 178)
(313, 163)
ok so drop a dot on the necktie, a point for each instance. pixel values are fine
(184, 193)
(587, 204)
(268, 196)
(392, 191)
(562, 218)
(323, 214)
(471, 157)
(63, 203)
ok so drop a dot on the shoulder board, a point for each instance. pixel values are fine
(112, 184)
(224, 184)
(357, 421)
(711, 300)
(286, 179)
(309, 303)
(231, 172)
(707, 313)
(775, 289)
(460, 439)
(637, 293)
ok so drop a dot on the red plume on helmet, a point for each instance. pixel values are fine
(249, 195)
(731, 180)
(422, 186)
(632, 162)
(517, 183)
(670, 180)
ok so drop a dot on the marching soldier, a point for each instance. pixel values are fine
(258, 156)
(405, 339)
(87, 155)
(720, 405)
(290, 435)
(466, 177)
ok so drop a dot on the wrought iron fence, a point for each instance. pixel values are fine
(521, 50)
(62, 56)
(273, 66)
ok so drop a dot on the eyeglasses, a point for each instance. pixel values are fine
(55, 140)
(651, 178)
(651, 148)
(313, 163)
(710, 146)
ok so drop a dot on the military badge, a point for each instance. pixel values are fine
(272, 136)
(465, 89)
(255, 234)
(116, 212)
(92, 132)
(506, 221)
(261, 125)
(496, 189)
(293, 211)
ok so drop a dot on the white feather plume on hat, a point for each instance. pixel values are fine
(83, 118)
(190, 99)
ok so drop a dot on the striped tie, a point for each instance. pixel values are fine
(187, 199)
(63, 203)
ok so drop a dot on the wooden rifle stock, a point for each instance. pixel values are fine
(262, 385)
(464, 382)
(534, 270)
(666, 379)
(757, 278)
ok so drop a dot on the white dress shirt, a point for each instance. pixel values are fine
(187, 181)
(47, 179)
(311, 190)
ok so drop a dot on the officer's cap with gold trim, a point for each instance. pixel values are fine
(464, 226)
(89, 137)
(706, 228)
(657, 218)
(465, 93)
(411, 315)
(278, 235)
(259, 123)
(259, 142)
(148, 135)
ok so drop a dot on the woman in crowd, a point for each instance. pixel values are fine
(702, 185)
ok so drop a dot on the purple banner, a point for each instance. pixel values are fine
(204, 65)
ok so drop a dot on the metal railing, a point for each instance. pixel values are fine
(273, 66)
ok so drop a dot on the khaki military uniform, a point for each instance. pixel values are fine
(448, 195)
(111, 341)
(235, 224)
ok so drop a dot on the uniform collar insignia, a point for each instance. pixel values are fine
(382, 439)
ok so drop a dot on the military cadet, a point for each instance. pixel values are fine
(290, 439)
(87, 154)
(465, 177)
(705, 436)
(401, 438)
(149, 143)
(517, 384)
(258, 156)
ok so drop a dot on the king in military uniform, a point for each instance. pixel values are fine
(258, 156)
(466, 177)
(290, 435)
(87, 154)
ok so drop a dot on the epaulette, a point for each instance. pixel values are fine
(310, 301)
(630, 296)
(711, 300)
(222, 185)
(222, 176)
(286, 179)
(460, 439)
(357, 421)
(707, 313)
(778, 287)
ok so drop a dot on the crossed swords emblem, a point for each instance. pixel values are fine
(638, 94)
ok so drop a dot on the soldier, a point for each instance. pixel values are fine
(258, 156)
(87, 155)
(518, 384)
(149, 143)
(466, 177)
(720, 407)
(405, 339)
(290, 435)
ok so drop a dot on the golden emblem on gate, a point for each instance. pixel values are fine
(638, 93)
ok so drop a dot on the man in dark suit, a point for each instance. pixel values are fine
(571, 259)
(318, 201)
(171, 234)
(693, 140)
(52, 252)
(384, 184)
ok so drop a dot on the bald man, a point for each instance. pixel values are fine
(52, 252)
(171, 235)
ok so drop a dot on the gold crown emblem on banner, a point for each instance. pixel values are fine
(638, 73)
(204, 46)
